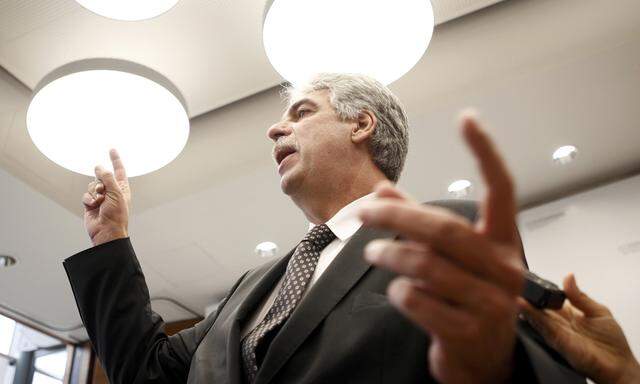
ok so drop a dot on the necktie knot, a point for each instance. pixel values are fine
(319, 236)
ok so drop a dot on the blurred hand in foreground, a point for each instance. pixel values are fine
(587, 335)
(459, 281)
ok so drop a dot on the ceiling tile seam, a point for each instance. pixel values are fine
(29, 183)
(211, 257)
(57, 18)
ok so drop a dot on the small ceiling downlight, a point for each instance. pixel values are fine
(565, 154)
(266, 249)
(460, 188)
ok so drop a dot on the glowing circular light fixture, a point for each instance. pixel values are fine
(383, 38)
(128, 10)
(565, 154)
(266, 249)
(460, 188)
(83, 109)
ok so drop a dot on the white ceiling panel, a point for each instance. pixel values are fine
(175, 265)
(20, 17)
(210, 49)
(446, 10)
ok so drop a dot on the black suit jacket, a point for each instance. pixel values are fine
(343, 331)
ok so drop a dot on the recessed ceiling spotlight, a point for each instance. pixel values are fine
(383, 38)
(460, 188)
(266, 249)
(7, 261)
(565, 154)
(83, 109)
(128, 10)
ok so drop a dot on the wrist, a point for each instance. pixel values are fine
(107, 236)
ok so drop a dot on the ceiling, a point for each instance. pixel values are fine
(543, 73)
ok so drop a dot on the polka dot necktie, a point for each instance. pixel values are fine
(296, 278)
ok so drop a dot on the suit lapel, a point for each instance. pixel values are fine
(270, 276)
(266, 276)
(343, 273)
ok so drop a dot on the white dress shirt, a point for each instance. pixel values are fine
(343, 224)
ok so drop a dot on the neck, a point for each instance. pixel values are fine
(321, 202)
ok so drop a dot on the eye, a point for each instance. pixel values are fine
(302, 113)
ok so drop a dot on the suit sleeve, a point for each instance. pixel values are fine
(128, 337)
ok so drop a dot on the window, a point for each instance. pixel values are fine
(50, 366)
(7, 327)
(20, 346)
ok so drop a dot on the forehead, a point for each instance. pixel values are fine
(319, 97)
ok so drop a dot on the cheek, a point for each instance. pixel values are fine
(323, 142)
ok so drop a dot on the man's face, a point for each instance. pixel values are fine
(311, 143)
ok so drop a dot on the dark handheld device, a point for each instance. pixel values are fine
(542, 293)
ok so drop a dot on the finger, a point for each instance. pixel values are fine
(91, 187)
(431, 314)
(91, 202)
(88, 200)
(447, 233)
(581, 300)
(549, 325)
(107, 179)
(433, 273)
(500, 205)
(99, 187)
(118, 166)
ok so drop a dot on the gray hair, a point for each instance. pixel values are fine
(349, 95)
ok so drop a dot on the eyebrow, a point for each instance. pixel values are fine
(291, 111)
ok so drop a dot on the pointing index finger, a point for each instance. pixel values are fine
(118, 167)
(499, 205)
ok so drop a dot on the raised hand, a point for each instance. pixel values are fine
(586, 334)
(107, 202)
(458, 281)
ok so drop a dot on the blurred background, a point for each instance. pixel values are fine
(542, 73)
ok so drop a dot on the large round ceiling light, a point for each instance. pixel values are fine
(83, 109)
(380, 38)
(128, 10)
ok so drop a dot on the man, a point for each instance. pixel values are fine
(588, 336)
(320, 314)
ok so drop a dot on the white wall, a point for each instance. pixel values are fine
(596, 235)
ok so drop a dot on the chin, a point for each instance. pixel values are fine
(290, 183)
(286, 186)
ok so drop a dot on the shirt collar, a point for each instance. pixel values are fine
(346, 222)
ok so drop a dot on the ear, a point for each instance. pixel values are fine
(366, 123)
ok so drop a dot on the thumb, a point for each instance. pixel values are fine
(581, 300)
(107, 179)
(547, 326)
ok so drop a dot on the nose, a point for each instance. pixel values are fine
(278, 130)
